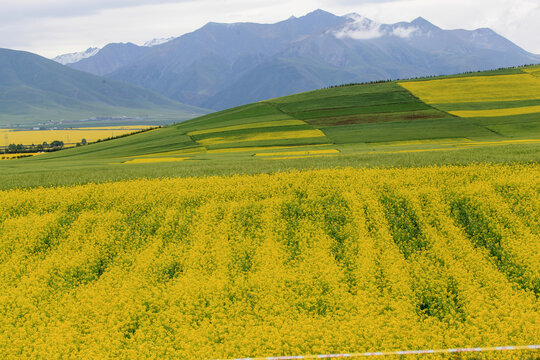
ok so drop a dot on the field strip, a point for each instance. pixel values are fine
(457, 146)
(497, 112)
(501, 142)
(262, 148)
(294, 153)
(407, 151)
(17, 155)
(298, 157)
(153, 160)
(116, 127)
(275, 123)
(278, 135)
(188, 151)
(476, 89)
(448, 141)
(401, 352)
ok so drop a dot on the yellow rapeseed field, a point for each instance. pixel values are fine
(262, 148)
(497, 112)
(119, 127)
(476, 89)
(16, 156)
(326, 261)
(275, 135)
(72, 136)
(534, 71)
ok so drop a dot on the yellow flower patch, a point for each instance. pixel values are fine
(71, 136)
(476, 89)
(277, 135)
(497, 112)
(260, 148)
(248, 266)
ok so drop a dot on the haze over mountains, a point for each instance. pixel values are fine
(34, 89)
(224, 65)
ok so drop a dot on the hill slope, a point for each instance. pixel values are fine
(224, 65)
(489, 116)
(34, 89)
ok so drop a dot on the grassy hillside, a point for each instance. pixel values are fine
(491, 116)
(34, 89)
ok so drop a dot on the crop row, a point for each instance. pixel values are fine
(328, 261)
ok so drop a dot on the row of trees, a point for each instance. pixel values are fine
(24, 149)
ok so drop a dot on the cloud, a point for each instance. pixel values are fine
(360, 28)
(515, 19)
(35, 9)
(404, 32)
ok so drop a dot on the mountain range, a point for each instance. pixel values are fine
(223, 65)
(35, 89)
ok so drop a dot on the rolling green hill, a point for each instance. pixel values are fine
(34, 89)
(490, 116)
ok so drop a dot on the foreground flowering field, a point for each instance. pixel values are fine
(327, 261)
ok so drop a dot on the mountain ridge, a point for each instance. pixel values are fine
(33, 88)
(201, 68)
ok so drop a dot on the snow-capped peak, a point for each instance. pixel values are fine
(76, 56)
(155, 42)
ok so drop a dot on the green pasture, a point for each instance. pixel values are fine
(380, 124)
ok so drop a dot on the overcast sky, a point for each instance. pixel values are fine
(53, 27)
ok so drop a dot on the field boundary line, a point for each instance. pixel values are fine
(401, 352)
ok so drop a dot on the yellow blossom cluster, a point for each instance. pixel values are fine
(293, 263)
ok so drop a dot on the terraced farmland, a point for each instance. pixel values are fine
(457, 119)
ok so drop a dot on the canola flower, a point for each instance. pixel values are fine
(476, 89)
(72, 136)
(497, 112)
(277, 135)
(264, 148)
(117, 127)
(534, 71)
(16, 156)
(314, 262)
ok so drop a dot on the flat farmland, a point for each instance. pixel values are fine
(70, 136)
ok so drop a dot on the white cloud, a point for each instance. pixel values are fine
(404, 32)
(360, 28)
(515, 19)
